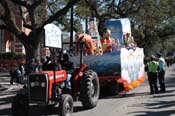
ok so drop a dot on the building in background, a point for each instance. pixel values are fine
(9, 42)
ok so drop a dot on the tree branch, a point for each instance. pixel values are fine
(58, 14)
(21, 3)
(5, 6)
(36, 3)
(9, 19)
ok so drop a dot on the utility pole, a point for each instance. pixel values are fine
(72, 25)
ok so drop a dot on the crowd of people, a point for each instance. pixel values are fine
(43, 64)
(155, 68)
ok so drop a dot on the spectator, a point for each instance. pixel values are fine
(32, 66)
(161, 72)
(22, 70)
(15, 76)
(38, 65)
(152, 74)
(44, 63)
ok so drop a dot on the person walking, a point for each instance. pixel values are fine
(152, 74)
(161, 72)
(33, 65)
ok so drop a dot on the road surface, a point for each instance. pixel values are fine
(137, 102)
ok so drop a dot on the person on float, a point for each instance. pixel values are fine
(107, 41)
(87, 39)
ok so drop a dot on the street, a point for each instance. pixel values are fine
(137, 102)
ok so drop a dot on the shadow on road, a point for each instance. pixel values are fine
(5, 101)
(5, 112)
(48, 110)
(154, 113)
(154, 106)
(159, 106)
(126, 95)
(78, 108)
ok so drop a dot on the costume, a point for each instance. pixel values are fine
(107, 44)
(88, 43)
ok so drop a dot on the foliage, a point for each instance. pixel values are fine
(33, 13)
(12, 55)
(153, 21)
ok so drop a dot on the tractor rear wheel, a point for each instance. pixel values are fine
(20, 105)
(66, 105)
(89, 89)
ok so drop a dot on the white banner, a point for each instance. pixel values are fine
(53, 36)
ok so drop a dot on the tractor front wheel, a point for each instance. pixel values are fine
(89, 89)
(66, 105)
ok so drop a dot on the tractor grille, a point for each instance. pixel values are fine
(38, 87)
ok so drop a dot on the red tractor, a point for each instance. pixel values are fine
(48, 88)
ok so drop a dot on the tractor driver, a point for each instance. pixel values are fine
(67, 65)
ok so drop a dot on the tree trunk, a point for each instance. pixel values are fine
(31, 53)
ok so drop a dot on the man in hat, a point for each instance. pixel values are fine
(161, 72)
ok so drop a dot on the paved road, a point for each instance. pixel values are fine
(136, 102)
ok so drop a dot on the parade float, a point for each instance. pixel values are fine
(123, 67)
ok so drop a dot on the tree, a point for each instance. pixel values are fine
(33, 14)
(149, 18)
(155, 26)
(152, 20)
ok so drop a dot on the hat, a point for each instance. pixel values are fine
(153, 57)
(159, 54)
(109, 31)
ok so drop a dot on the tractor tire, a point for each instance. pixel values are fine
(20, 105)
(66, 105)
(89, 89)
(113, 88)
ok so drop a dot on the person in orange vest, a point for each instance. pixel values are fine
(87, 39)
(107, 41)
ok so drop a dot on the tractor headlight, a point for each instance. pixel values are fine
(43, 84)
(32, 84)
